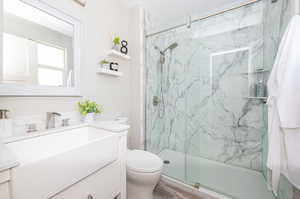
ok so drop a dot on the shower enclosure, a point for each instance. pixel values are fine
(205, 97)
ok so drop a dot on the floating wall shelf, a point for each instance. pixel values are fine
(109, 72)
(116, 54)
(256, 72)
(258, 98)
(265, 99)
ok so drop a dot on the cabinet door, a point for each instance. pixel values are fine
(104, 184)
(4, 191)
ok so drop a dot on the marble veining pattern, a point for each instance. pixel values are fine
(203, 87)
(202, 112)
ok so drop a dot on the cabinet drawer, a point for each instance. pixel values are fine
(4, 176)
(104, 184)
(4, 191)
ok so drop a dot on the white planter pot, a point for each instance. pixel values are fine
(116, 47)
(106, 66)
(89, 118)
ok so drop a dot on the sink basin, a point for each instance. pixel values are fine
(50, 163)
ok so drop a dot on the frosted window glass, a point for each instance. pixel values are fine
(50, 56)
(50, 77)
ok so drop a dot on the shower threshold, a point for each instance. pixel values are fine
(214, 179)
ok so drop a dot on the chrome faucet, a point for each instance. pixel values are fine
(50, 119)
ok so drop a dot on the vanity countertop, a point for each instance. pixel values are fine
(7, 158)
(113, 126)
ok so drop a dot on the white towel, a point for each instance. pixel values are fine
(284, 108)
(287, 71)
(292, 149)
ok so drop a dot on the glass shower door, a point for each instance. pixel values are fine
(226, 107)
(165, 126)
(204, 107)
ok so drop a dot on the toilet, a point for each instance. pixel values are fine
(143, 173)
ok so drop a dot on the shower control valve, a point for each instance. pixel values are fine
(155, 100)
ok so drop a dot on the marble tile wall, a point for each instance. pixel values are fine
(203, 82)
(203, 87)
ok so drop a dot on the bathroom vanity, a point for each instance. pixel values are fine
(7, 161)
(78, 162)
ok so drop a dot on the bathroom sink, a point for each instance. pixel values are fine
(50, 163)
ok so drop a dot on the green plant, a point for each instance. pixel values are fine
(117, 41)
(88, 106)
(104, 62)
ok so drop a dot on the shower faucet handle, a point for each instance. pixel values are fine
(156, 100)
(3, 113)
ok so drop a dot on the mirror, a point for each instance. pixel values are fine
(38, 45)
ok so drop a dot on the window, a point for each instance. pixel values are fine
(32, 62)
(50, 56)
(51, 65)
(15, 58)
(50, 77)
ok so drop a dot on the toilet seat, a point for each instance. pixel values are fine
(143, 162)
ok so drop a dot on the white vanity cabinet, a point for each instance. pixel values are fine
(4, 185)
(103, 184)
(4, 191)
(78, 162)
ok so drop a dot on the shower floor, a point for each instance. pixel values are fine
(234, 182)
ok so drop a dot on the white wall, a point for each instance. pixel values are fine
(295, 7)
(136, 135)
(101, 21)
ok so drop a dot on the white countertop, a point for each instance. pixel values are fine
(7, 158)
(113, 126)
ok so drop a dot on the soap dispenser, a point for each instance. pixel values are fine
(261, 89)
(5, 124)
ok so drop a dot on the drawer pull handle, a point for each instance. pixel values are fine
(90, 196)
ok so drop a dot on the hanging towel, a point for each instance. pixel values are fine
(284, 108)
(292, 149)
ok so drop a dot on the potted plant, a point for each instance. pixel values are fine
(116, 43)
(105, 64)
(88, 109)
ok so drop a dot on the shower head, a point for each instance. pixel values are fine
(171, 47)
(162, 58)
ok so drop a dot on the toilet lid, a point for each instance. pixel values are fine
(143, 161)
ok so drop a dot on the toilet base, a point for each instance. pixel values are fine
(134, 192)
(141, 185)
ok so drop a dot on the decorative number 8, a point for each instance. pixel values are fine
(124, 48)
